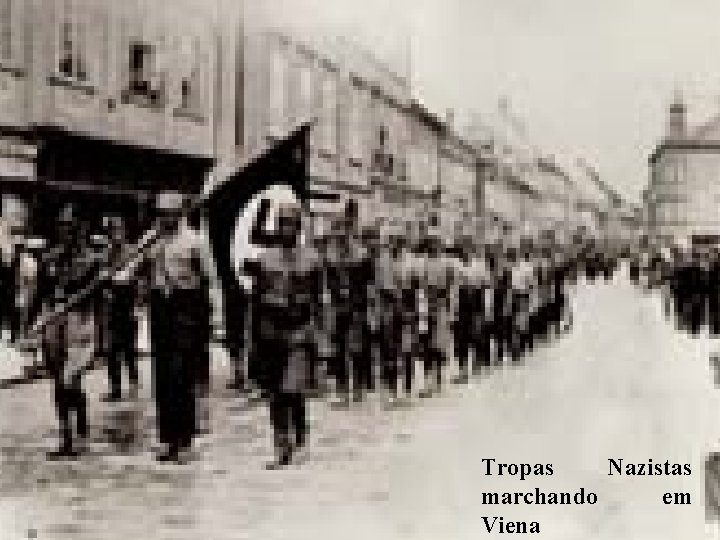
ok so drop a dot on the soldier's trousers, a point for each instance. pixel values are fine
(235, 320)
(289, 420)
(122, 351)
(461, 335)
(70, 400)
(338, 367)
(363, 361)
(179, 333)
(432, 357)
(503, 332)
(481, 343)
(390, 352)
(714, 313)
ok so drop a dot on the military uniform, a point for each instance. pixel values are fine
(285, 291)
(120, 326)
(435, 288)
(463, 310)
(390, 319)
(69, 339)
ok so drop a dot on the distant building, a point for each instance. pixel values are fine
(533, 192)
(682, 200)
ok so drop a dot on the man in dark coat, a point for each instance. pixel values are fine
(180, 312)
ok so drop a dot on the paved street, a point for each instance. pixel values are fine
(622, 384)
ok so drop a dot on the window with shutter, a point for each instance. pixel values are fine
(190, 99)
(145, 86)
(71, 63)
(71, 43)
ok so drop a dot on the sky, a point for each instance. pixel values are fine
(591, 78)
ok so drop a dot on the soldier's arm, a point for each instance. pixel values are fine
(258, 234)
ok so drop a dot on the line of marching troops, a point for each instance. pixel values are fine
(340, 315)
(688, 277)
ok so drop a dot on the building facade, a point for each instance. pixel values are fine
(104, 101)
(372, 142)
(129, 96)
(682, 200)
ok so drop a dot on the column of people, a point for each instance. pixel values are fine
(340, 316)
(688, 278)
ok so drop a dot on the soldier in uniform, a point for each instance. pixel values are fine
(541, 299)
(522, 285)
(462, 314)
(118, 306)
(390, 321)
(408, 282)
(360, 342)
(479, 277)
(434, 287)
(69, 338)
(180, 313)
(713, 292)
(286, 287)
(338, 280)
(502, 304)
(373, 306)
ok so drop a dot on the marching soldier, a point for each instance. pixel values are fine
(522, 274)
(348, 275)
(502, 304)
(713, 293)
(541, 299)
(360, 342)
(69, 340)
(285, 292)
(434, 287)
(339, 283)
(408, 282)
(463, 315)
(481, 298)
(373, 305)
(118, 306)
(390, 316)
